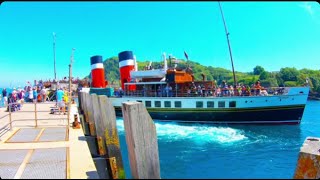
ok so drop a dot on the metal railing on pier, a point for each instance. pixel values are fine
(42, 115)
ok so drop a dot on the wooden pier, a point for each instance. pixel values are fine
(43, 145)
(37, 144)
(99, 124)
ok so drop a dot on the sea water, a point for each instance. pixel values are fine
(229, 151)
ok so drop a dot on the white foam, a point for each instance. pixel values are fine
(170, 131)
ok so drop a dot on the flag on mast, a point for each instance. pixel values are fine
(186, 55)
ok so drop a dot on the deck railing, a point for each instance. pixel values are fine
(203, 93)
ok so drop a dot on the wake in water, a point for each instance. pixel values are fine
(171, 131)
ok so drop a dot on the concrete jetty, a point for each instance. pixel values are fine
(43, 145)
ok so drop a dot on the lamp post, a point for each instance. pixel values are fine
(70, 83)
(54, 55)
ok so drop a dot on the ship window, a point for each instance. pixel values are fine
(139, 101)
(232, 104)
(148, 103)
(167, 104)
(221, 104)
(177, 104)
(199, 104)
(157, 104)
(210, 104)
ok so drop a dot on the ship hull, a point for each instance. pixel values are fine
(274, 109)
(271, 115)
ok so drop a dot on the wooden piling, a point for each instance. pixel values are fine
(80, 99)
(79, 103)
(107, 135)
(90, 111)
(141, 139)
(85, 109)
(85, 123)
(308, 166)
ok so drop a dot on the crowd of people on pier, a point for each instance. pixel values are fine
(28, 94)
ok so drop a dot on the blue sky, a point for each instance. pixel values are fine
(270, 34)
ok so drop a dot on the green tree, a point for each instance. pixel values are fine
(315, 82)
(270, 82)
(290, 83)
(289, 74)
(258, 70)
(280, 81)
(264, 75)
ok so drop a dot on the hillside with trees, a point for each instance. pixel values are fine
(287, 76)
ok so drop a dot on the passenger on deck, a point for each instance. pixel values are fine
(189, 92)
(203, 91)
(257, 88)
(170, 91)
(209, 91)
(231, 90)
(243, 90)
(213, 89)
(248, 93)
(167, 90)
(219, 92)
(235, 90)
(224, 88)
(199, 90)
(239, 89)
(263, 92)
(120, 92)
(159, 91)
(252, 90)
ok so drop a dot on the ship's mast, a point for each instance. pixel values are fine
(227, 33)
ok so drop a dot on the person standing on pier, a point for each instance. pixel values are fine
(43, 93)
(35, 95)
(60, 102)
(30, 94)
(4, 95)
